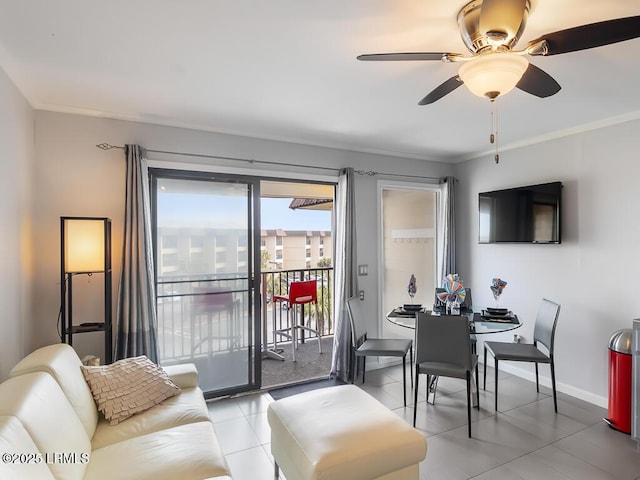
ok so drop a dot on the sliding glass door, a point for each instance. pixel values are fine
(207, 276)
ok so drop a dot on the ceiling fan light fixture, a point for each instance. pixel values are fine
(494, 72)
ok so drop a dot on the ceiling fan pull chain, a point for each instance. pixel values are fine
(497, 156)
(493, 136)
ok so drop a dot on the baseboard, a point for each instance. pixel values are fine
(561, 387)
(518, 372)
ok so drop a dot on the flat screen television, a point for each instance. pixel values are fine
(530, 214)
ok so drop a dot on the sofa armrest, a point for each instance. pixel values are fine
(184, 375)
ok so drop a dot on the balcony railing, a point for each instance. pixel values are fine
(204, 316)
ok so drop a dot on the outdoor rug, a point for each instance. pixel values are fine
(282, 392)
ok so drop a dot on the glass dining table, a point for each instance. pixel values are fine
(480, 323)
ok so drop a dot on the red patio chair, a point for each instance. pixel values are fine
(300, 293)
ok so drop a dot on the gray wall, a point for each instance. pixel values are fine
(75, 178)
(593, 274)
(16, 180)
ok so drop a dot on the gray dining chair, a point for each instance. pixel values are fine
(437, 303)
(544, 332)
(364, 346)
(443, 348)
(467, 303)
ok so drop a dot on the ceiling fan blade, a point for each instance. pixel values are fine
(588, 36)
(394, 57)
(538, 82)
(442, 90)
(501, 20)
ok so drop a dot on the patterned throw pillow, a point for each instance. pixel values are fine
(128, 386)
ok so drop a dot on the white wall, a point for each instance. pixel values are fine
(593, 274)
(76, 178)
(16, 166)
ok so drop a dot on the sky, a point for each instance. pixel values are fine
(275, 213)
(189, 210)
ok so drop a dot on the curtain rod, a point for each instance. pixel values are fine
(371, 173)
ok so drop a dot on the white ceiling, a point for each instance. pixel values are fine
(287, 70)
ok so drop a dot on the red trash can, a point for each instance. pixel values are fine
(620, 375)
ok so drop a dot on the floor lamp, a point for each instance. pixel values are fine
(85, 249)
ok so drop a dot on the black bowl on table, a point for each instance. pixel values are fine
(412, 307)
(497, 311)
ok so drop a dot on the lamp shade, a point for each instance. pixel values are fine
(84, 245)
(493, 74)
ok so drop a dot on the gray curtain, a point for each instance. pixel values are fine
(345, 274)
(447, 231)
(136, 325)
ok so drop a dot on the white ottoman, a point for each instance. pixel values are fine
(342, 433)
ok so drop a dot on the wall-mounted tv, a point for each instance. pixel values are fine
(529, 214)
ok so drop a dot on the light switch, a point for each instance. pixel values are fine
(363, 270)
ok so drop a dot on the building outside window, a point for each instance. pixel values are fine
(296, 243)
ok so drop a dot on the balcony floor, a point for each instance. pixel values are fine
(309, 364)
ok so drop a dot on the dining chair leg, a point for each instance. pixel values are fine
(432, 388)
(404, 379)
(364, 367)
(553, 385)
(477, 388)
(469, 403)
(495, 365)
(411, 364)
(356, 362)
(415, 399)
(276, 471)
(537, 384)
(485, 368)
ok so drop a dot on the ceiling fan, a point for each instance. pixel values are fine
(490, 29)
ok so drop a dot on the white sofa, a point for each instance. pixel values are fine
(50, 428)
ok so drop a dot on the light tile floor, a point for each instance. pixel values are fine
(525, 440)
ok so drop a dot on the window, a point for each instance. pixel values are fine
(169, 241)
(197, 242)
(196, 263)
